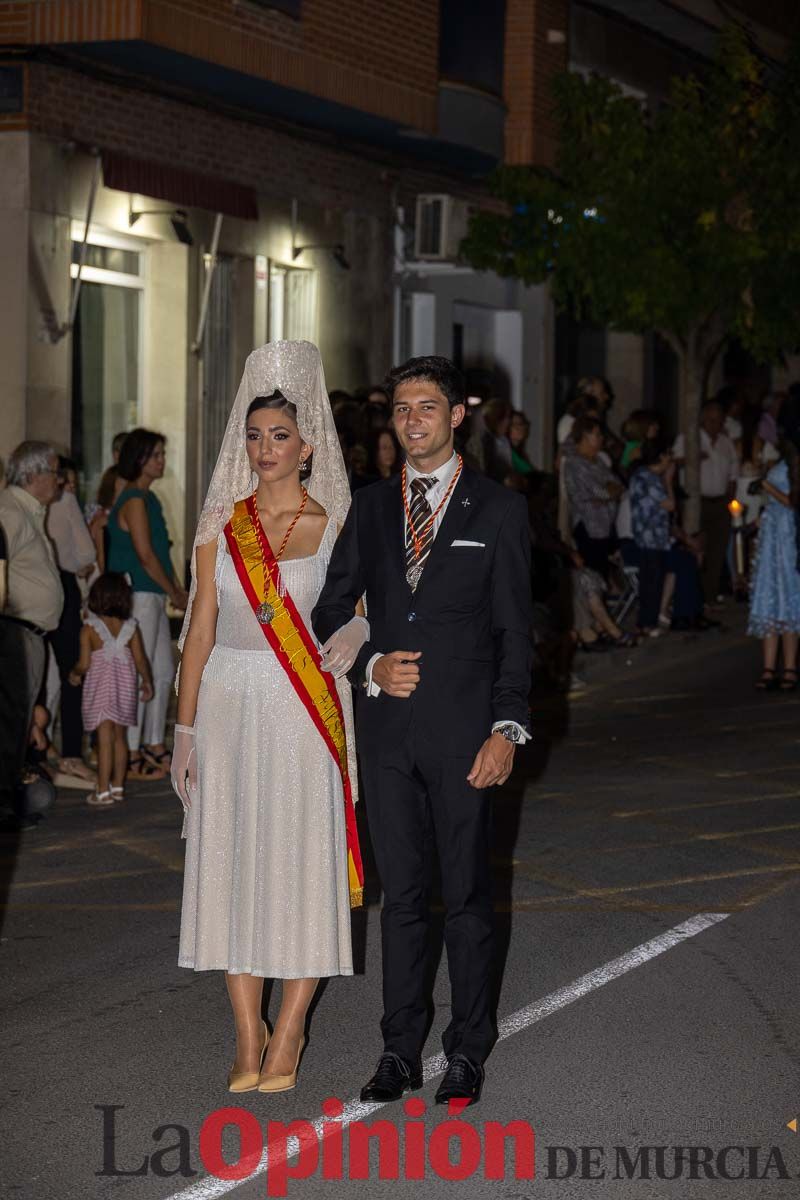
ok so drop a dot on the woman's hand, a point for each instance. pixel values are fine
(342, 647)
(183, 772)
(179, 599)
(146, 690)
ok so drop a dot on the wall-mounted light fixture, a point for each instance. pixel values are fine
(177, 217)
(336, 248)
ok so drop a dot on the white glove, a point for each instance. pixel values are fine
(342, 647)
(183, 772)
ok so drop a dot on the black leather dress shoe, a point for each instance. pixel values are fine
(393, 1077)
(463, 1080)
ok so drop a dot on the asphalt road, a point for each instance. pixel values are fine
(647, 862)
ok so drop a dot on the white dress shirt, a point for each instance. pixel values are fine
(34, 585)
(69, 534)
(444, 477)
(719, 469)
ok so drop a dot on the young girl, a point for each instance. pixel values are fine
(112, 654)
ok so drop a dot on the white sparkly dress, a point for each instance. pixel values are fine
(265, 886)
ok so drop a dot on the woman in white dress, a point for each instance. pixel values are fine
(264, 758)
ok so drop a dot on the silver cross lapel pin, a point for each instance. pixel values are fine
(465, 503)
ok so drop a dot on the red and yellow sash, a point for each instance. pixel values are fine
(295, 650)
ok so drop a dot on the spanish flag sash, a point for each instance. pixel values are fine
(283, 627)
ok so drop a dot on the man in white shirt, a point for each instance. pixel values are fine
(719, 469)
(34, 598)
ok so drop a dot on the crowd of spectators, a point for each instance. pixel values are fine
(613, 562)
(54, 556)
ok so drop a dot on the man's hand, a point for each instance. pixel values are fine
(397, 673)
(493, 762)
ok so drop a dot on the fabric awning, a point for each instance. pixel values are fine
(186, 189)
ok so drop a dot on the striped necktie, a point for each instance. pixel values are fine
(420, 511)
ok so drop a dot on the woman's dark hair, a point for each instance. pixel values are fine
(111, 596)
(652, 450)
(494, 411)
(583, 425)
(638, 422)
(374, 447)
(138, 446)
(431, 368)
(107, 486)
(67, 464)
(275, 400)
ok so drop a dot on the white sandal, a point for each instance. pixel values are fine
(99, 799)
(117, 793)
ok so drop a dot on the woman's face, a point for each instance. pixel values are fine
(503, 424)
(387, 451)
(592, 443)
(153, 467)
(274, 445)
(652, 431)
(70, 481)
(518, 431)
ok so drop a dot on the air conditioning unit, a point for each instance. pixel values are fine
(440, 225)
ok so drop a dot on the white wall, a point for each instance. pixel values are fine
(519, 321)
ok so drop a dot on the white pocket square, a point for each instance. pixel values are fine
(478, 545)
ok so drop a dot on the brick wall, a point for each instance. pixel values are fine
(531, 61)
(376, 56)
(70, 106)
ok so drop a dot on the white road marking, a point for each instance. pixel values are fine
(211, 1187)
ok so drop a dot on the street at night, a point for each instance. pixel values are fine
(399, 599)
(664, 795)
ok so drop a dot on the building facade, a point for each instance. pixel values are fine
(182, 180)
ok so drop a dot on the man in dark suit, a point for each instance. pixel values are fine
(443, 687)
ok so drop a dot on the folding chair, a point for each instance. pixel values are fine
(627, 597)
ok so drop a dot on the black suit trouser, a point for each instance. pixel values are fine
(418, 799)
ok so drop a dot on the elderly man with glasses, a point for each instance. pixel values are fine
(34, 598)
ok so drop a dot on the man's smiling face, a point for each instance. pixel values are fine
(424, 423)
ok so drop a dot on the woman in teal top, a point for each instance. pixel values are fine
(518, 432)
(139, 547)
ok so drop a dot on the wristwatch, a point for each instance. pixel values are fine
(512, 733)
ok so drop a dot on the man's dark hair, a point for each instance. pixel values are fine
(111, 596)
(136, 449)
(431, 368)
(275, 400)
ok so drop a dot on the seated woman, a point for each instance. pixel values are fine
(592, 493)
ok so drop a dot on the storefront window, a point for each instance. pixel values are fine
(106, 353)
(292, 304)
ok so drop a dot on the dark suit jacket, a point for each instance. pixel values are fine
(470, 615)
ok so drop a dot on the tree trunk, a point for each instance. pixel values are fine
(691, 399)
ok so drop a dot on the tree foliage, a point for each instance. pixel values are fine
(684, 220)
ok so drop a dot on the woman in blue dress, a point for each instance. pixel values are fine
(775, 591)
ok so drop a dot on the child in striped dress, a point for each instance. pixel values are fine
(112, 656)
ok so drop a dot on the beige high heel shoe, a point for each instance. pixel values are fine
(283, 1083)
(247, 1081)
